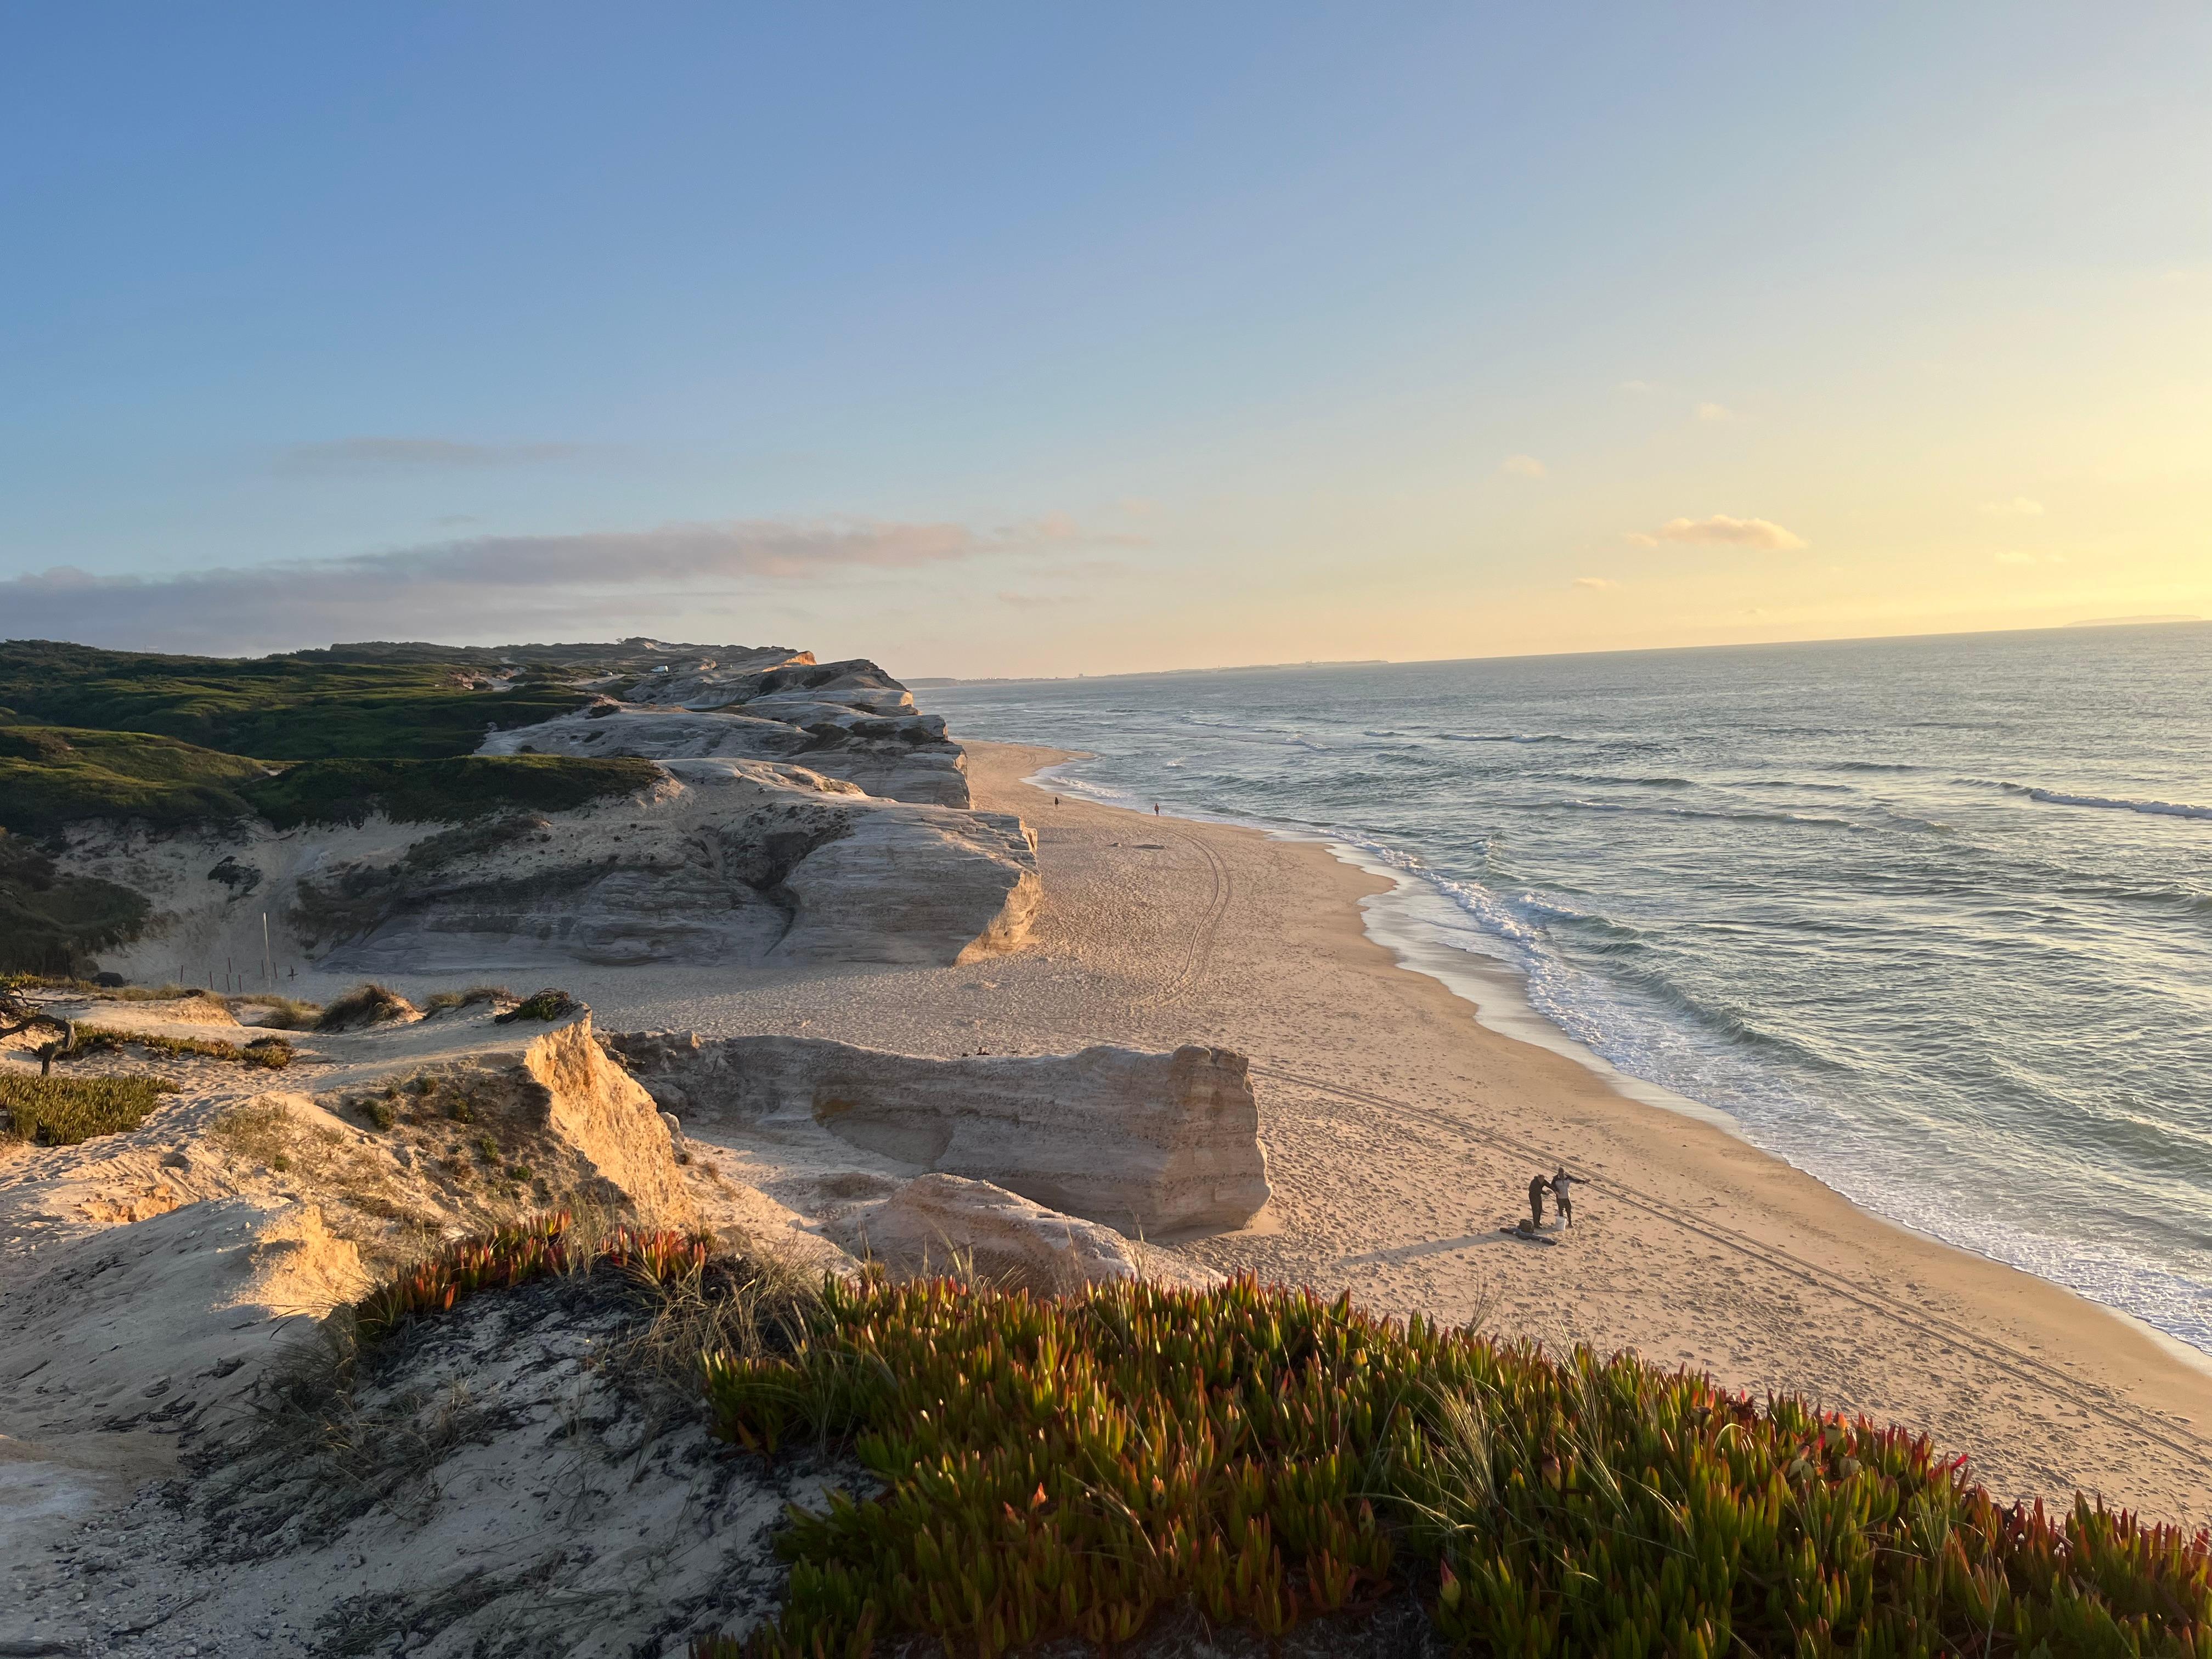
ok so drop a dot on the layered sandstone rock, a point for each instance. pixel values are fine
(849, 721)
(723, 863)
(1148, 1142)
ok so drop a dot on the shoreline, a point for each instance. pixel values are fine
(1401, 1132)
(1693, 1244)
(1494, 992)
(1501, 1007)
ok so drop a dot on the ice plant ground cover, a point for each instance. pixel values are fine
(515, 1255)
(66, 1111)
(1073, 1465)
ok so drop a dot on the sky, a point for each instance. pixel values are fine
(988, 340)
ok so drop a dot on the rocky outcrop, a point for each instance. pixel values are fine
(184, 1452)
(847, 719)
(444, 1124)
(723, 863)
(1150, 1143)
(604, 1136)
(942, 1224)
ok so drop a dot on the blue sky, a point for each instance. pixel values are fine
(1007, 339)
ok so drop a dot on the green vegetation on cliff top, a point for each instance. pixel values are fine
(51, 777)
(451, 791)
(55, 923)
(1077, 1470)
(269, 708)
(319, 738)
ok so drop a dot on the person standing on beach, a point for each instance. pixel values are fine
(1560, 1182)
(1536, 1185)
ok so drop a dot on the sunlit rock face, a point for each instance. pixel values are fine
(720, 863)
(1150, 1144)
(846, 720)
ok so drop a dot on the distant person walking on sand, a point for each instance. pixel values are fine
(1536, 1185)
(1560, 1182)
(1156, 809)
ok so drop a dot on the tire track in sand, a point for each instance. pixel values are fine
(2021, 1367)
(1221, 890)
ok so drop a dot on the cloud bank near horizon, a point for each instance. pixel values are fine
(645, 579)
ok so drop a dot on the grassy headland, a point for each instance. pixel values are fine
(271, 707)
(171, 742)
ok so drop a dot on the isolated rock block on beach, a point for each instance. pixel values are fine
(941, 1223)
(1144, 1142)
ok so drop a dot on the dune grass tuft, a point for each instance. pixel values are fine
(447, 1001)
(62, 1111)
(547, 1005)
(276, 1013)
(364, 1005)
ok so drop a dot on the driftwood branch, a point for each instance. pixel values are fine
(18, 1013)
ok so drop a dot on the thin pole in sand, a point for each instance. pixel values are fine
(268, 956)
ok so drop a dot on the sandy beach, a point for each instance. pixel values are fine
(1401, 1134)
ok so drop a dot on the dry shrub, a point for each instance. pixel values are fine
(277, 1013)
(547, 1005)
(365, 1006)
(449, 1001)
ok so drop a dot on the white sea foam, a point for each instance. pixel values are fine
(2166, 809)
(1938, 1013)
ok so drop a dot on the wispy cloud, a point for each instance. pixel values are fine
(2030, 558)
(2019, 506)
(359, 455)
(1596, 581)
(1638, 386)
(1524, 466)
(1721, 531)
(1714, 412)
(1038, 601)
(650, 578)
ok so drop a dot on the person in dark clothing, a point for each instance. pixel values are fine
(1536, 1186)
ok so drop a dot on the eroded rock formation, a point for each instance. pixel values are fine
(723, 863)
(1147, 1142)
(945, 1223)
(845, 720)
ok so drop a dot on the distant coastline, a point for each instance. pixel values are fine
(926, 682)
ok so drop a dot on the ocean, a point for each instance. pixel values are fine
(1931, 919)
